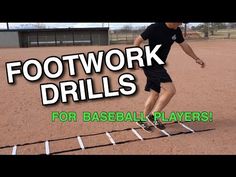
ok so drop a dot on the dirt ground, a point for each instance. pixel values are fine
(24, 120)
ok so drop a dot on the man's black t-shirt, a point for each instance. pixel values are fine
(159, 33)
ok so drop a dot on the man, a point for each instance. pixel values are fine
(157, 77)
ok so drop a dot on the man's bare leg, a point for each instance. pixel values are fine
(150, 102)
(168, 91)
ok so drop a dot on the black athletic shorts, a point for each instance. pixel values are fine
(155, 78)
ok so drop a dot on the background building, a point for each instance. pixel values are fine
(54, 37)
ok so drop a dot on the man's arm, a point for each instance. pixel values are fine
(189, 51)
(137, 42)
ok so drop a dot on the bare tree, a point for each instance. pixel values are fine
(214, 27)
(206, 30)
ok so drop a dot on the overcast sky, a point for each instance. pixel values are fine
(79, 25)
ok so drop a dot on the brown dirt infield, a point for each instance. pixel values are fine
(25, 120)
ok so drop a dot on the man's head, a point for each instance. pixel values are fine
(173, 25)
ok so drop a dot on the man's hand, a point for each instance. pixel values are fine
(200, 62)
(189, 51)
